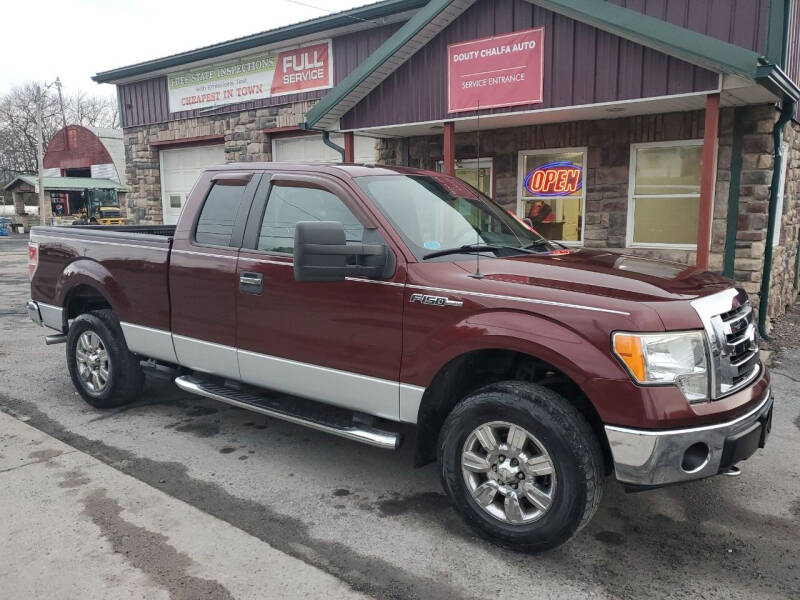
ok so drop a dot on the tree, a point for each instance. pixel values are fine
(18, 123)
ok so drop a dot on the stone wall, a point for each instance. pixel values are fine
(245, 141)
(782, 290)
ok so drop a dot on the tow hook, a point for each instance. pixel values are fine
(732, 471)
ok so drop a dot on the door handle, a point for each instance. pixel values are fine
(251, 283)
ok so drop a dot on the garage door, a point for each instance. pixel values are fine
(180, 168)
(310, 148)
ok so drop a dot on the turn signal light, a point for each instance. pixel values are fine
(629, 349)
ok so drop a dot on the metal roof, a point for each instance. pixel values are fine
(370, 12)
(67, 183)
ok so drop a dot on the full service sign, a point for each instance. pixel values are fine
(504, 70)
(265, 75)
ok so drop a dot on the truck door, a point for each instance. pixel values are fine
(202, 272)
(337, 342)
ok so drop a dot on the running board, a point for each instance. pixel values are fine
(329, 419)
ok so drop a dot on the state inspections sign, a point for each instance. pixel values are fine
(273, 73)
(503, 70)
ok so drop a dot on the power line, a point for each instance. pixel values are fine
(330, 12)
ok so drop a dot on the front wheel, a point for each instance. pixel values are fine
(103, 370)
(521, 465)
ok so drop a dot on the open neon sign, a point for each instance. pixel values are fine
(558, 178)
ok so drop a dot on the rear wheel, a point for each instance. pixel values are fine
(103, 370)
(521, 465)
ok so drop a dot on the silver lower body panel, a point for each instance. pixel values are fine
(46, 315)
(653, 458)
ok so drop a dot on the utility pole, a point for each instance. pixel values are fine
(40, 154)
(63, 115)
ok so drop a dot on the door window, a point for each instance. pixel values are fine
(476, 172)
(288, 205)
(222, 205)
(552, 193)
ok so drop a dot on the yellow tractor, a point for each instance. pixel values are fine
(99, 207)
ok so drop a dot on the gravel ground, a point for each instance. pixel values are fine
(367, 517)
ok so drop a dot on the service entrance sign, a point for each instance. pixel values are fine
(503, 70)
(272, 73)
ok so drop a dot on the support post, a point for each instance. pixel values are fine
(707, 181)
(449, 166)
(349, 147)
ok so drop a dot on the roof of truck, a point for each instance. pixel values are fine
(351, 169)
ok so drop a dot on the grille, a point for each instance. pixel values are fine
(728, 320)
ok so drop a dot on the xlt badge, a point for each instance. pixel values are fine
(435, 300)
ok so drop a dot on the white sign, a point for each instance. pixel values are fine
(275, 73)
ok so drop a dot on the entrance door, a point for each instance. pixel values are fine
(180, 168)
(477, 173)
(339, 342)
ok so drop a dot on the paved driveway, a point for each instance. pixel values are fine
(367, 517)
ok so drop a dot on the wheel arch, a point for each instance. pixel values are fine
(86, 285)
(471, 370)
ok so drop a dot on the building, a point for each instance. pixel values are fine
(78, 161)
(65, 196)
(78, 151)
(661, 129)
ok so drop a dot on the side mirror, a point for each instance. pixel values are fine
(321, 253)
(528, 221)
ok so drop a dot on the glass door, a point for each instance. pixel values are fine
(551, 192)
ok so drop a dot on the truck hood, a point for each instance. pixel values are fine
(602, 273)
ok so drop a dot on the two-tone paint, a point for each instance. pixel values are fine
(363, 344)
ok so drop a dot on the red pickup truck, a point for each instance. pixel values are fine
(355, 298)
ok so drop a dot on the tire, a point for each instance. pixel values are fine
(556, 437)
(124, 376)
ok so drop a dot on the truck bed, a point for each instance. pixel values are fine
(128, 265)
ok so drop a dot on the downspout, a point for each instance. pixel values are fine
(326, 139)
(787, 111)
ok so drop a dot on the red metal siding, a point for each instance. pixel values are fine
(583, 65)
(740, 22)
(145, 102)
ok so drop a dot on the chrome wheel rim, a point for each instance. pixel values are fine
(93, 362)
(508, 472)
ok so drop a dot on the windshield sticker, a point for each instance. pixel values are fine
(432, 245)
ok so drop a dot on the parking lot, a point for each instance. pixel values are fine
(367, 518)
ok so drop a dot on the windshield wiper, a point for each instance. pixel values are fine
(471, 248)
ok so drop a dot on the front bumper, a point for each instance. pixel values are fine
(655, 458)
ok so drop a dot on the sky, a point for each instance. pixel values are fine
(78, 38)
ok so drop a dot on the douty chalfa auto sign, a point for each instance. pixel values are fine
(502, 70)
(273, 73)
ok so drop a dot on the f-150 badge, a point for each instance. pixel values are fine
(435, 300)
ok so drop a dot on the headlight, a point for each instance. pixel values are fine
(666, 358)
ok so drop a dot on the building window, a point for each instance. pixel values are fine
(664, 194)
(476, 172)
(551, 192)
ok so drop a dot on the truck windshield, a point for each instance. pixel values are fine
(434, 213)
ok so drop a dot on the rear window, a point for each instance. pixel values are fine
(215, 225)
